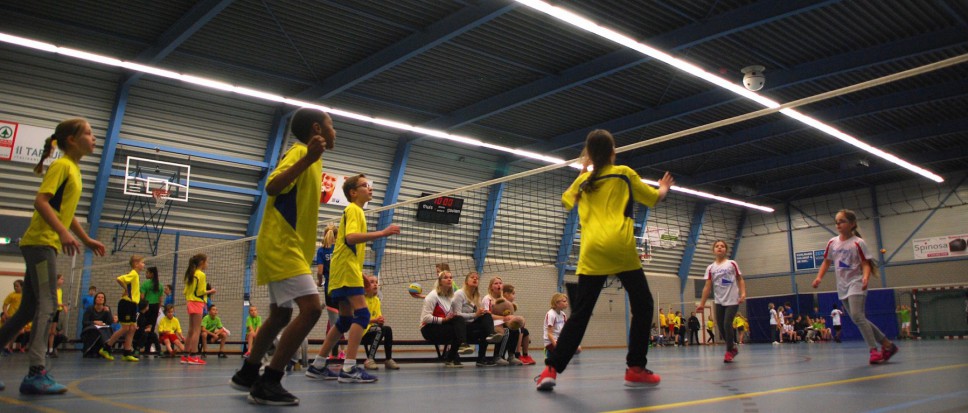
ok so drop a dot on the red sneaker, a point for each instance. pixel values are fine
(640, 377)
(184, 360)
(728, 358)
(887, 353)
(528, 360)
(876, 357)
(196, 361)
(546, 380)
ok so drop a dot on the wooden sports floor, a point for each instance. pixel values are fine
(926, 376)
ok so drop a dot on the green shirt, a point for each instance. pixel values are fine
(149, 293)
(253, 323)
(211, 323)
(905, 316)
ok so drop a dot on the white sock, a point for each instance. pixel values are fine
(319, 362)
(348, 365)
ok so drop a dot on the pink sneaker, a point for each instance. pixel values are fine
(728, 358)
(876, 357)
(546, 380)
(887, 353)
(640, 377)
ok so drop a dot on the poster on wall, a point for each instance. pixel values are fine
(332, 193)
(940, 247)
(24, 143)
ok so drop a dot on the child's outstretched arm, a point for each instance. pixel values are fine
(363, 237)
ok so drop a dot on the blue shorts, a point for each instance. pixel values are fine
(344, 293)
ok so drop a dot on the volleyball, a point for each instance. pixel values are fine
(415, 289)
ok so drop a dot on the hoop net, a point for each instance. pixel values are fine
(160, 196)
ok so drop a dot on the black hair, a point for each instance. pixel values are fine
(302, 122)
(599, 147)
(153, 271)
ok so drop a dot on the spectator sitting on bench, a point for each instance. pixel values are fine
(439, 323)
(213, 332)
(377, 331)
(480, 325)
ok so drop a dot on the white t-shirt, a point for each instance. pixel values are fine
(772, 316)
(835, 315)
(486, 303)
(846, 257)
(724, 275)
(555, 320)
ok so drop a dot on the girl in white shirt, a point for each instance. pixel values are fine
(853, 266)
(726, 281)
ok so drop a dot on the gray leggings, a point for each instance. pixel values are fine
(855, 307)
(38, 302)
(724, 320)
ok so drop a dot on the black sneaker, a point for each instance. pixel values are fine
(222, 355)
(242, 382)
(271, 394)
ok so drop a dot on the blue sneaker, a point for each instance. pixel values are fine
(356, 375)
(41, 384)
(325, 373)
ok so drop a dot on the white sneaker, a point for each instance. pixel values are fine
(500, 361)
(370, 364)
(392, 365)
(465, 349)
(776, 343)
(514, 361)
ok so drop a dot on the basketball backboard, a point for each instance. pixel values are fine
(143, 176)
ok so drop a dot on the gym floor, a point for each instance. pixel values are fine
(926, 376)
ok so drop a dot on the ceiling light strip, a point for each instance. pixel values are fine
(214, 84)
(590, 26)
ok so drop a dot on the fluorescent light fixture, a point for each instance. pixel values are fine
(588, 25)
(218, 85)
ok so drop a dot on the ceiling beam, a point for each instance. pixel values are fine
(723, 25)
(827, 178)
(460, 22)
(812, 71)
(913, 133)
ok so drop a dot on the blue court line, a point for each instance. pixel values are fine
(913, 403)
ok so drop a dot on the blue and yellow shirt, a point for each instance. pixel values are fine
(607, 226)
(287, 237)
(346, 268)
(63, 181)
(132, 282)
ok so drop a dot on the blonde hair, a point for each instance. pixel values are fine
(135, 259)
(441, 291)
(490, 283)
(329, 235)
(555, 297)
(473, 294)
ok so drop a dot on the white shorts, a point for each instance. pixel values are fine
(906, 325)
(282, 293)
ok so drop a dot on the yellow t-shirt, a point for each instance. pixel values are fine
(132, 282)
(286, 244)
(738, 322)
(12, 303)
(195, 290)
(346, 266)
(63, 180)
(376, 308)
(607, 226)
(662, 319)
(167, 325)
(60, 300)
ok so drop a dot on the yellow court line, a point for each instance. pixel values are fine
(785, 389)
(74, 389)
(16, 402)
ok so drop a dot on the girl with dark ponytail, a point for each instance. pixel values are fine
(605, 198)
(196, 295)
(49, 232)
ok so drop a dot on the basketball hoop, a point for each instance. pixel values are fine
(160, 196)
